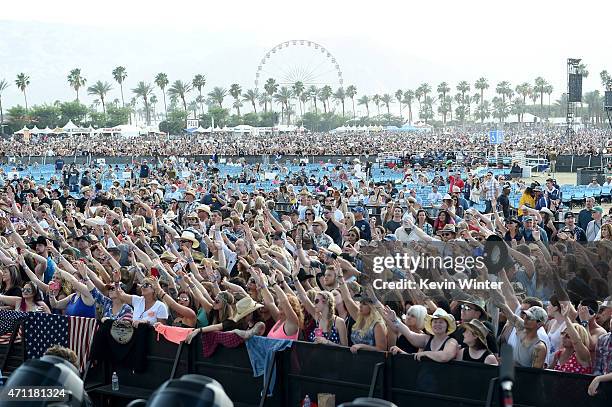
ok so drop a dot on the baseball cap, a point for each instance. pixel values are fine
(598, 209)
(537, 314)
(527, 218)
(358, 209)
(568, 215)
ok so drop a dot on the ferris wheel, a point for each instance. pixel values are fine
(299, 60)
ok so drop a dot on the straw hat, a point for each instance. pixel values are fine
(204, 208)
(168, 256)
(440, 314)
(244, 307)
(169, 216)
(334, 248)
(478, 329)
(322, 223)
(190, 192)
(188, 235)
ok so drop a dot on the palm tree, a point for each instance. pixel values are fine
(518, 108)
(100, 89)
(605, 78)
(298, 89)
(271, 87)
(481, 84)
(387, 99)
(236, 91)
(503, 89)
(198, 82)
(443, 89)
(548, 89)
(76, 81)
(144, 91)
(463, 87)
(252, 96)
(351, 91)
(22, 83)
(217, 95)
(119, 74)
(178, 90)
(398, 96)
(3, 85)
(365, 101)
(264, 99)
(340, 96)
(445, 107)
(161, 80)
(424, 89)
(540, 86)
(408, 99)
(153, 102)
(524, 89)
(324, 94)
(483, 111)
(376, 100)
(500, 108)
(282, 97)
(314, 94)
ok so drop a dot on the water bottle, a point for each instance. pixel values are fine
(306, 402)
(115, 382)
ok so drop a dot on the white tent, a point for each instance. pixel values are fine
(226, 129)
(22, 131)
(128, 130)
(35, 130)
(46, 130)
(70, 127)
(243, 129)
(200, 129)
(208, 130)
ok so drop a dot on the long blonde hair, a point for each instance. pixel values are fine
(364, 324)
(331, 307)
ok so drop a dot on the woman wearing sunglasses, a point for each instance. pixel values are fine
(574, 355)
(147, 309)
(329, 329)
(30, 300)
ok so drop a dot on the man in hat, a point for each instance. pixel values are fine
(191, 204)
(586, 214)
(456, 192)
(361, 224)
(532, 232)
(594, 226)
(490, 187)
(473, 308)
(529, 350)
(571, 228)
(504, 200)
(319, 227)
(213, 199)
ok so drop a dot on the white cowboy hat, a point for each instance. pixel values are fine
(187, 235)
(440, 314)
(244, 307)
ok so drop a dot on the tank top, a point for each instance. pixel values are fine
(77, 308)
(278, 332)
(468, 358)
(523, 355)
(428, 346)
(571, 365)
(555, 338)
(405, 345)
(332, 335)
(202, 319)
(364, 337)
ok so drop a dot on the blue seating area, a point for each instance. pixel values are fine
(570, 194)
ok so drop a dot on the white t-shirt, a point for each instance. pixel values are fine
(542, 335)
(157, 311)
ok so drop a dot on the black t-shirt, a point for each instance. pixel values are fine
(504, 202)
(334, 232)
(392, 225)
(364, 229)
(13, 292)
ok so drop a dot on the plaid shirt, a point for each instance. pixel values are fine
(492, 189)
(603, 355)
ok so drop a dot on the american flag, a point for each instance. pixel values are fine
(45, 330)
(8, 321)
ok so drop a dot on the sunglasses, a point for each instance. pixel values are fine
(27, 290)
(183, 298)
(466, 308)
(318, 300)
(147, 285)
(310, 214)
(446, 234)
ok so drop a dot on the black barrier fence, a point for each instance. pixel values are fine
(312, 369)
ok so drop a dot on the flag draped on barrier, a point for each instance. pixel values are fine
(45, 330)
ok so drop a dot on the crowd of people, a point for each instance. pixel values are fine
(295, 263)
(533, 140)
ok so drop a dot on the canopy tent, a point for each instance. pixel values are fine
(70, 127)
(200, 129)
(46, 130)
(191, 130)
(243, 129)
(35, 130)
(22, 131)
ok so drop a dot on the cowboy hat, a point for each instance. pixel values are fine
(169, 216)
(244, 307)
(168, 256)
(334, 248)
(188, 235)
(478, 329)
(450, 228)
(321, 222)
(546, 210)
(190, 192)
(479, 303)
(204, 208)
(440, 314)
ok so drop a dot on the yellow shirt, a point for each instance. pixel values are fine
(527, 200)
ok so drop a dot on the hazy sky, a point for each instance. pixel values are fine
(380, 45)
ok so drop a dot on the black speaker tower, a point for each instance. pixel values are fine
(574, 96)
